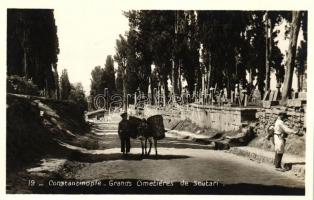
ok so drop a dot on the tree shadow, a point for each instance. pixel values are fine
(93, 158)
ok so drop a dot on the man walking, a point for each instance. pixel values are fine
(280, 131)
(124, 135)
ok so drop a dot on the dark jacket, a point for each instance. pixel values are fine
(123, 129)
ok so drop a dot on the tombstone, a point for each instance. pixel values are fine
(302, 95)
(275, 97)
(211, 92)
(245, 100)
(244, 97)
(295, 102)
(241, 95)
(292, 94)
(201, 101)
(271, 95)
(266, 95)
(269, 104)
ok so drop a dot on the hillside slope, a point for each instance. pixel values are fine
(35, 125)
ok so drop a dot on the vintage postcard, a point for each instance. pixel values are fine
(145, 100)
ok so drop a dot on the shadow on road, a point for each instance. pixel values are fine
(93, 158)
(288, 166)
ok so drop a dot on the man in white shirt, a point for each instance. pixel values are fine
(280, 131)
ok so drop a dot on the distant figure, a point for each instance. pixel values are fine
(280, 133)
(225, 94)
(211, 95)
(237, 94)
(124, 134)
(220, 97)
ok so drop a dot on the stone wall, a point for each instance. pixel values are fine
(268, 116)
(296, 120)
(230, 119)
(220, 118)
(212, 117)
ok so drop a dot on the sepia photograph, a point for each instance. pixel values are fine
(156, 101)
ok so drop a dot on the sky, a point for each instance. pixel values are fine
(87, 35)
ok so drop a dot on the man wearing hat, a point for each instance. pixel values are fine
(280, 131)
(124, 135)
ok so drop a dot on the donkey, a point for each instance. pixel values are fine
(149, 130)
(145, 133)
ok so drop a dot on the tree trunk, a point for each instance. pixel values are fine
(290, 64)
(209, 70)
(152, 91)
(175, 74)
(179, 78)
(125, 107)
(250, 76)
(267, 55)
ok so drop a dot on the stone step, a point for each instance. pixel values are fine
(291, 162)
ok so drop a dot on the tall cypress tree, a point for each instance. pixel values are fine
(32, 46)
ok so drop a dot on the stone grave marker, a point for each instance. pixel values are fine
(266, 95)
(275, 97)
(271, 95)
(302, 95)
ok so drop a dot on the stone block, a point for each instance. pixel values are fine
(302, 95)
(271, 94)
(266, 95)
(275, 97)
(268, 104)
(293, 94)
(295, 102)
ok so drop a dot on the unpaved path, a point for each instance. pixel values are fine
(178, 160)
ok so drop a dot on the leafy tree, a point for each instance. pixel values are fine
(96, 81)
(133, 68)
(234, 42)
(109, 75)
(121, 58)
(301, 57)
(222, 34)
(78, 96)
(65, 85)
(32, 46)
(97, 86)
(140, 46)
(119, 80)
(290, 63)
(188, 44)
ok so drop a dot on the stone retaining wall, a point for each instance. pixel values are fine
(268, 116)
(296, 120)
(213, 117)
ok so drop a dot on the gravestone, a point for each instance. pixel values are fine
(275, 97)
(292, 95)
(295, 102)
(256, 96)
(268, 104)
(302, 95)
(245, 100)
(266, 95)
(271, 95)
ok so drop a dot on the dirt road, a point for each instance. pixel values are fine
(181, 166)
